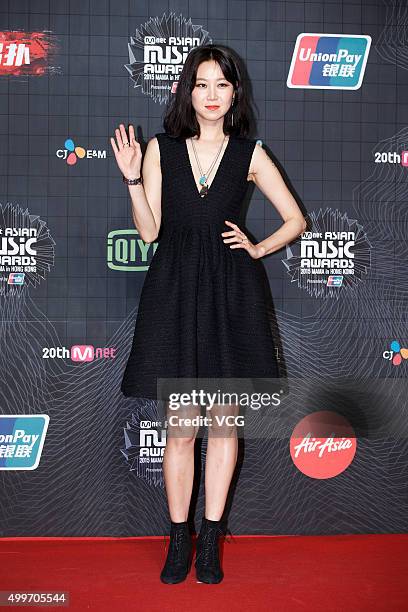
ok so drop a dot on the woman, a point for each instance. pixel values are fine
(202, 309)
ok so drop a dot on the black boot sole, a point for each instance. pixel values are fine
(212, 581)
(209, 581)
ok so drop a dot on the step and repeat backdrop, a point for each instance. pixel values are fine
(330, 84)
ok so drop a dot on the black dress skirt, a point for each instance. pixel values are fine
(203, 306)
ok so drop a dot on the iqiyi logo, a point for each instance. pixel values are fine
(71, 153)
(127, 251)
(396, 353)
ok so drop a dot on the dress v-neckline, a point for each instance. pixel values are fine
(191, 173)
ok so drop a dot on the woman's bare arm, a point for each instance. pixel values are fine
(146, 197)
(268, 179)
(147, 219)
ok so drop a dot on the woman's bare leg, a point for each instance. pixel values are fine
(178, 463)
(222, 452)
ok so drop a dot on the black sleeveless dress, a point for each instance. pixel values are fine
(202, 310)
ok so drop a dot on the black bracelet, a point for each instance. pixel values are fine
(133, 181)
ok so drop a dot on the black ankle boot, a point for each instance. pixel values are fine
(179, 556)
(207, 563)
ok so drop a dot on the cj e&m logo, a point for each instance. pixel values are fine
(71, 153)
(328, 61)
(22, 440)
(396, 353)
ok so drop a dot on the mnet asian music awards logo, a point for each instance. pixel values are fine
(333, 256)
(128, 252)
(328, 61)
(26, 249)
(157, 53)
(145, 441)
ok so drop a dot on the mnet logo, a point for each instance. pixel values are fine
(391, 157)
(71, 153)
(86, 352)
(151, 445)
(126, 251)
(79, 352)
(82, 352)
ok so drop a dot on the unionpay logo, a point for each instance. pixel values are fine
(396, 353)
(22, 439)
(335, 280)
(16, 278)
(328, 61)
(71, 153)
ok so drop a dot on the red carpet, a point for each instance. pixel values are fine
(275, 573)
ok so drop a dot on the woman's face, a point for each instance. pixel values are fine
(211, 90)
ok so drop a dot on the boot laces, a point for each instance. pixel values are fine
(209, 548)
(177, 539)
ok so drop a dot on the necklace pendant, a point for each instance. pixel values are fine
(204, 191)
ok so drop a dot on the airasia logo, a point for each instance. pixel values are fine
(323, 444)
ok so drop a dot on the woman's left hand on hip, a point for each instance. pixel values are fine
(240, 241)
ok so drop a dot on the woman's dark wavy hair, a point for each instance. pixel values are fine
(180, 119)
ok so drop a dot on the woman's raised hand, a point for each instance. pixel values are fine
(127, 152)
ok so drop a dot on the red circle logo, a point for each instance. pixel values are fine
(323, 444)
